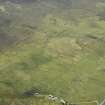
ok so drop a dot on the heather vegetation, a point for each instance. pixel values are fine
(52, 47)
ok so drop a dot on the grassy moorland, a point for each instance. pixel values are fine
(58, 53)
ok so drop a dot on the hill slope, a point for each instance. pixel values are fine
(59, 53)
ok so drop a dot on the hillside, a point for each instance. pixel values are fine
(54, 47)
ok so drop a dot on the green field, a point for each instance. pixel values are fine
(60, 51)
